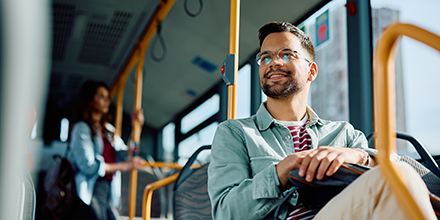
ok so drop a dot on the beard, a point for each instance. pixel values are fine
(279, 90)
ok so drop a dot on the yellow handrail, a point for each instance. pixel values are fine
(148, 193)
(137, 56)
(234, 29)
(384, 104)
(136, 133)
(175, 166)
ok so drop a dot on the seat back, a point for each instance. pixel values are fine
(144, 178)
(190, 193)
(30, 198)
(428, 173)
(27, 198)
(431, 180)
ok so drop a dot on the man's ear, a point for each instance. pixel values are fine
(313, 72)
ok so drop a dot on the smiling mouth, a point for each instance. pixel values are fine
(276, 75)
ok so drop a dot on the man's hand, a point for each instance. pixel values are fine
(326, 160)
(321, 161)
(288, 164)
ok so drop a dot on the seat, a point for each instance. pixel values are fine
(427, 159)
(190, 191)
(144, 178)
(27, 195)
(427, 169)
(191, 199)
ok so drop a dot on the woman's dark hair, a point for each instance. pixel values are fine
(82, 111)
(276, 27)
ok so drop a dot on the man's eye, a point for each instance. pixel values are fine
(265, 58)
(287, 55)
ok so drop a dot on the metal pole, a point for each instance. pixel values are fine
(119, 109)
(136, 133)
(234, 29)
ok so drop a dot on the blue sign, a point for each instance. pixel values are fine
(322, 28)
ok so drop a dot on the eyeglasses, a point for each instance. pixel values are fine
(285, 54)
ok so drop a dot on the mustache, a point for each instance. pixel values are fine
(277, 70)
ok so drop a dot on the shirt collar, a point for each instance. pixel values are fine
(265, 119)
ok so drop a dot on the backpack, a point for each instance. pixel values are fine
(59, 185)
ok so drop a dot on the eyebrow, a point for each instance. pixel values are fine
(285, 48)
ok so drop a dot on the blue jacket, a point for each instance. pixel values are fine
(89, 162)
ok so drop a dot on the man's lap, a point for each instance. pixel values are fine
(370, 197)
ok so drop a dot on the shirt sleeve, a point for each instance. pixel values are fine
(83, 151)
(358, 140)
(234, 193)
(121, 149)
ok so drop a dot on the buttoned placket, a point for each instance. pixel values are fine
(287, 139)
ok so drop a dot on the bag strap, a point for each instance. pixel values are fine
(277, 211)
(67, 150)
(346, 174)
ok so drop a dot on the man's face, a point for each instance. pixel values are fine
(280, 79)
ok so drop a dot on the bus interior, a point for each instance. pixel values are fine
(49, 48)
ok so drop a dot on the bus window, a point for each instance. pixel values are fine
(244, 92)
(416, 69)
(201, 113)
(329, 92)
(188, 146)
(168, 141)
(64, 130)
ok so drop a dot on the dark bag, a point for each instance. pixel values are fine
(316, 194)
(59, 185)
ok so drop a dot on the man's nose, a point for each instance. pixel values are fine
(276, 61)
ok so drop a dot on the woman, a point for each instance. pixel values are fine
(96, 154)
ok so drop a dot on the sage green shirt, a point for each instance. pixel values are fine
(242, 180)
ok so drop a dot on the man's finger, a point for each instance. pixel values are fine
(325, 164)
(315, 162)
(337, 162)
(305, 162)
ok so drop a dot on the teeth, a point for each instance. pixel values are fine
(275, 76)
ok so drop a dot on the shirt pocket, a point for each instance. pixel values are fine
(259, 163)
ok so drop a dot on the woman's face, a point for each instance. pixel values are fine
(101, 101)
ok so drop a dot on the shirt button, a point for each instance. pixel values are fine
(295, 194)
(288, 137)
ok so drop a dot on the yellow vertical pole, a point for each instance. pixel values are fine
(136, 133)
(119, 109)
(234, 28)
(138, 55)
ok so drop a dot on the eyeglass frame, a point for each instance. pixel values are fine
(258, 56)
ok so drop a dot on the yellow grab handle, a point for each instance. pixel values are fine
(384, 104)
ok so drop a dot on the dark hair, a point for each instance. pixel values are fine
(82, 111)
(276, 27)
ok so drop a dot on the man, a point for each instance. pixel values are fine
(251, 158)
